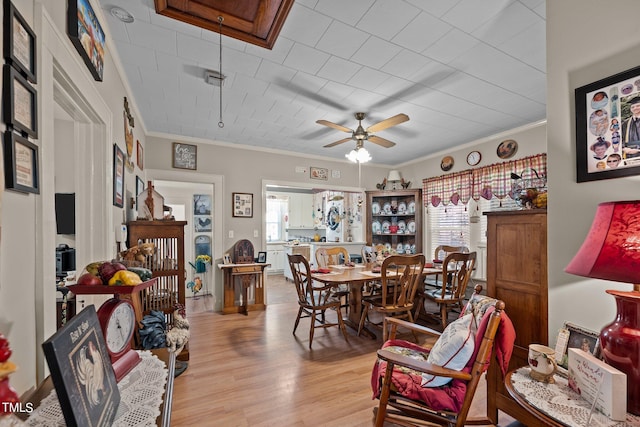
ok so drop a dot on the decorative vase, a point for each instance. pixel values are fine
(620, 342)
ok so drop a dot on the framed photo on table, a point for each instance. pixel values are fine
(21, 163)
(574, 336)
(243, 205)
(262, 257)
(118, 176)
(607, 137)
(20, 102)
(19, 42)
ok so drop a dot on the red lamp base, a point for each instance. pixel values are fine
(620, 342)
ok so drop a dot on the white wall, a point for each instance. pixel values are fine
(577, 56)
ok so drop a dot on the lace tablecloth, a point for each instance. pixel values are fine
(559, 402)
(141, 393)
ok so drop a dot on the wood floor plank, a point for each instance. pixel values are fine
(252, 371)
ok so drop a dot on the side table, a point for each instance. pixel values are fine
(556, 405)
(248, 274)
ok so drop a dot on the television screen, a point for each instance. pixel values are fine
(66, 213)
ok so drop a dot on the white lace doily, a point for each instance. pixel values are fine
(141, 393)
(561, 403)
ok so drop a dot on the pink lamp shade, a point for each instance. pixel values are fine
(611, 251)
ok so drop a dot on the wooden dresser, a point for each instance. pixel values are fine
(517, 274)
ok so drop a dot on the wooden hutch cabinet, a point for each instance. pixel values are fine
(394, 219)
(517, 274)
(167, 265)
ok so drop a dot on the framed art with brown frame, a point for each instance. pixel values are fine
(87, 36)
(118, 176)
(139, 155)
(243, 205)
(20, 103)
(20, 163)
(608, 127)
(19, 42)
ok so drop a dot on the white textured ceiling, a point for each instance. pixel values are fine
(461, 69)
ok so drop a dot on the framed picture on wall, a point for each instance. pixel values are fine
(607, 136)
(243, 205)
(139, 155)
(19, 42)
(118, 176)
(21, 163)
(20, 102)
(87, 36)
(185, 156)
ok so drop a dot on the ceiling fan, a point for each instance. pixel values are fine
(361, 134)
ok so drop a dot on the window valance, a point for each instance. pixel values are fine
(495, 180)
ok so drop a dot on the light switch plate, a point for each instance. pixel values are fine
(231, 234)
(301, 169)
(255, 233)
(335, 173)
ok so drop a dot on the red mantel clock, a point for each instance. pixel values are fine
(117, 320)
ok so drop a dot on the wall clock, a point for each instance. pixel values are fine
(473, 158)
(118, 320)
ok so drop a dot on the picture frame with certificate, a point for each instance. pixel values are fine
(118, 176)
(242, 205)
(21, 163)
(19, 42)
(20, 103)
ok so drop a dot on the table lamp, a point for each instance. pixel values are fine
(611, 251)
(393, 179)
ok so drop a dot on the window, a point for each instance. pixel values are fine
(448, 225)
(277, 208)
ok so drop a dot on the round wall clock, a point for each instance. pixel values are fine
(447, 163)
(117, 320)
(473, 158)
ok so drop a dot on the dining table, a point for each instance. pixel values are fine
(355, 277)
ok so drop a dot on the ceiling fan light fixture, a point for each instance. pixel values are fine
(358, 155)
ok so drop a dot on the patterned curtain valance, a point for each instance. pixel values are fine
(487, 182)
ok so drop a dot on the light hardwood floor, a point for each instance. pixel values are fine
(252, 371)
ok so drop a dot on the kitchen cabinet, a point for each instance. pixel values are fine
(394, 219)
(300, 211)
(276, 257)
(517, 275)
(303, 250)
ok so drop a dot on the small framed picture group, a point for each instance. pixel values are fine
(19, 103)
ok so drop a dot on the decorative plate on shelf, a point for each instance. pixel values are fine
(376, 228)
(413, 249)
(400, 248)
(386, 208)
(385, 226)
(402, 226)
(375, 208)
(407, 249)
(387, 246)
(411, 208)
(402, 208)
(411, 226)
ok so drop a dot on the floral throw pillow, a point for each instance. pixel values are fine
(452, 350)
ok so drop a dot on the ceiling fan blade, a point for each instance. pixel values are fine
(333, 125)
(387, 123)
(381, 141)
(337, 142)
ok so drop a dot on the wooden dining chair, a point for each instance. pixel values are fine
(456, 273)
(369, 256)
(313, 299)
(399, 375)
(335, 255)
(440, 254)
(399, 279)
